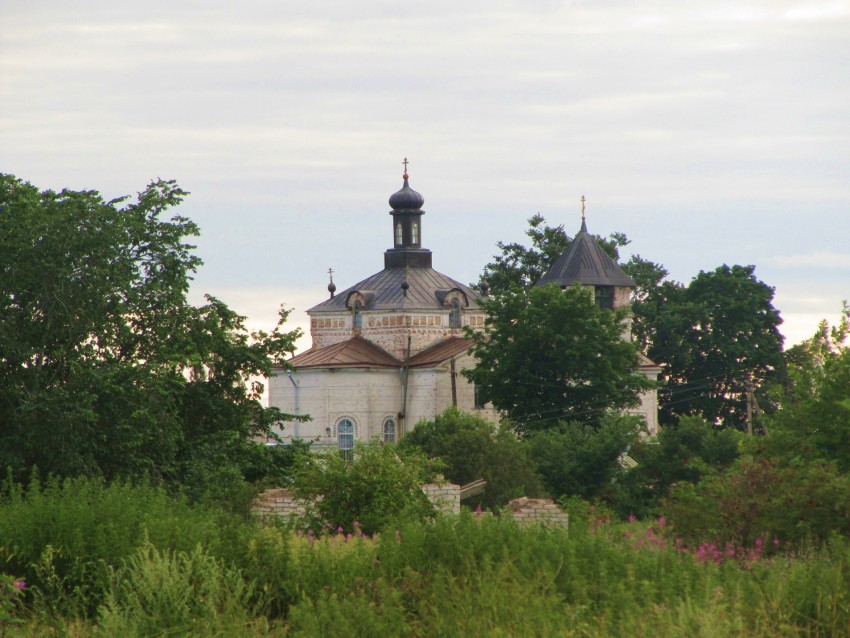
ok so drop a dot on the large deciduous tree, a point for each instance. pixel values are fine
(547, 355)
(714, 338)
(105, 368)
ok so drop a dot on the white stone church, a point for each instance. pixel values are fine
(388, 351)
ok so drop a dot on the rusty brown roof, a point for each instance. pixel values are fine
(439, 352)
(354, 353)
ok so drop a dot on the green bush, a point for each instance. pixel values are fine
(378, 485)
(472, 448)
(578, 459)
(760, 498)
(682, 452)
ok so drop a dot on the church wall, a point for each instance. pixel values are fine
(365, 396)
(389, 330)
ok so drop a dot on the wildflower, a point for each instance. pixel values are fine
(339, 530)
(20, 584)
(776, 541)
(632, 518)
(356, 524)
(662, 521)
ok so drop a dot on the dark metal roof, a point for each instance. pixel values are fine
(427, 288)
(357, 352)
(585, 262)
(442, 351)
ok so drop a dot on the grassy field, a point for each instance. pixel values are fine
(121, 560)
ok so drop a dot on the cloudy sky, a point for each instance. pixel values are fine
(709, 132)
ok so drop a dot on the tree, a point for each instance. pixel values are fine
(813, 421)
(714, 339)
(473, 448)
(547, 355)
(521, 266)
(105, 368)
(577, 459)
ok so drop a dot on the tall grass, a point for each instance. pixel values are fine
(139, 562)
(63, 536)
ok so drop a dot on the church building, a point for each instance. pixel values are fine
(388, 351)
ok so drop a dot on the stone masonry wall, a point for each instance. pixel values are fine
(542, 510)
(281, 502)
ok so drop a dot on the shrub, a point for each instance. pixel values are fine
(683, 452)
(576, 459)
(377, 486)
(762, 499)
(472, 448)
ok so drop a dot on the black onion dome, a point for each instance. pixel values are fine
(406, 198)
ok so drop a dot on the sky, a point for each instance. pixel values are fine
(707, 131)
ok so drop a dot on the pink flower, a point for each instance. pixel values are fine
(662, 521)
(20, 584)
(632, 518)
(776, 541)
(339, 530)
(356, 524)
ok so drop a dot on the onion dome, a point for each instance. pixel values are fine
(406, 198)
(332, 285)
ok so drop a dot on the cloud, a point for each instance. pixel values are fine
(819, 259)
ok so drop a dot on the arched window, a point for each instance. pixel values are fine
(389, 430)
(345, 437)
(454, 314)
(358, 316)
(414, 233)
(399, 237)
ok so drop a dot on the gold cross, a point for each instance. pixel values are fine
(583, 200)
(405, 162)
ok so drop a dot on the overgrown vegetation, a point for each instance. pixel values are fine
(455, 576)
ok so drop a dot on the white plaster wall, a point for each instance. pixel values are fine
(367, 396)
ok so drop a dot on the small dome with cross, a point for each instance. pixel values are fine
(406, 198)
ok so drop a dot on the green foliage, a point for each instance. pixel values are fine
(577, 459)
(472, 448)
(518, 266)
(711, 338)
(176, 593)
(455, 576)
(105, 368)
(763, 499)
(547, 355)
(683, 452)
(377, 486)
(814, 419)
(63, 536)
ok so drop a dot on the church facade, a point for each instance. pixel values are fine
(387, 352)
